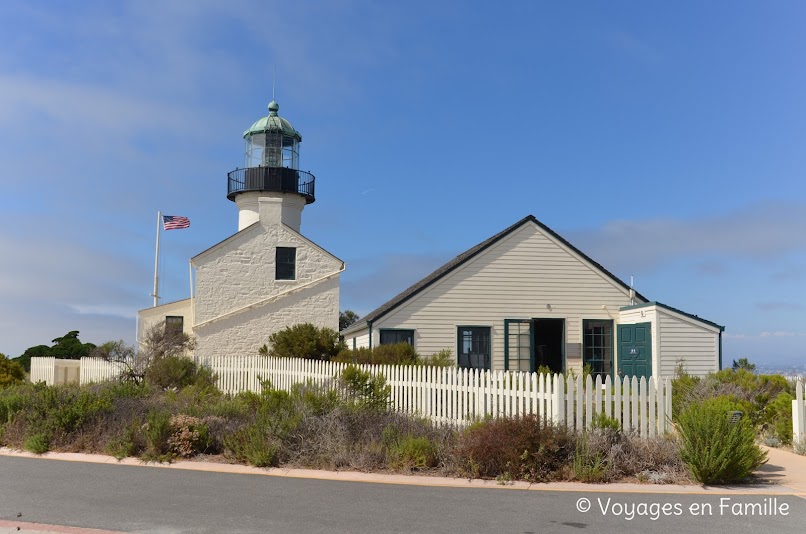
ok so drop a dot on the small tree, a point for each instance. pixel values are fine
(158, 343)
(69, 347)
(303, 341)
(347, 318)
(743, 363)
(10, 371)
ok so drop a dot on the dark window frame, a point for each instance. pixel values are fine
(397, 333)
(174, 326)
(285, 268)
(518, 324)
(597, 346)
(473, 330)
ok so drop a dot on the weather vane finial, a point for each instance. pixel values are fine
(273, 81)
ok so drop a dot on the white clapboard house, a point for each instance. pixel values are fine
(525, 299)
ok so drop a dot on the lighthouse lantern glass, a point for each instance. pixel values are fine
(271, 149)
(253, 153)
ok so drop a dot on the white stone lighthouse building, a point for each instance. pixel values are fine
(267, 276)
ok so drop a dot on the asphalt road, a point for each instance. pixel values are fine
(143, 499)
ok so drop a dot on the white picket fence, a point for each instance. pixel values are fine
(43, 369)
(445, 395)
(799, 413)
(98, 370)
(459, 396)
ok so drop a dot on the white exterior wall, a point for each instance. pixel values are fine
(684, 341)
(243, 333)
(361, 338)
(240, 272)
(157, 315)
(516, 278)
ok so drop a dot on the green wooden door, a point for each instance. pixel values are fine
(635, 350)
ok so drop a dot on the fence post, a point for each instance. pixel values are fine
(799, 414)
(557, 398)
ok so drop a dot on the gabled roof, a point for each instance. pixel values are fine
(465, 257)
(681, 312)
(239, 233)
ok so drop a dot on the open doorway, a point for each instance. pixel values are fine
(549, 335)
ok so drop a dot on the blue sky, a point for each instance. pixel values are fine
(666, 141)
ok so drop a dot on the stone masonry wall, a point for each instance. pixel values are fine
(243, 333)
(242, 271)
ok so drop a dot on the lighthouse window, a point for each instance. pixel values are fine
(286, 263)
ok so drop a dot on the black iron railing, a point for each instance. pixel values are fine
(275, 179)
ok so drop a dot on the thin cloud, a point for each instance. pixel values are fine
(761, 232)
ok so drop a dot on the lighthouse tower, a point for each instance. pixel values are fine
(271, 175)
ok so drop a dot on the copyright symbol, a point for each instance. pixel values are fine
(583, 505)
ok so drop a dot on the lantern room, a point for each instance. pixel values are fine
(271, 170)
(272, 142)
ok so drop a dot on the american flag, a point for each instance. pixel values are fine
(174, 222)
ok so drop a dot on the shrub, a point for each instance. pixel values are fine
(408, 451)
(11, 372)
(254, 445)
(38, 443)
(589, 463)
(365, 390)
(625, 455)
(519, 448)
(157, 433)
(443, 358)
(391, 354)
(602, 422)
(716, 450)
(190, 435)
(126, 443)
(779, 415)
(303, 341)
(179, 372)
(755, 393)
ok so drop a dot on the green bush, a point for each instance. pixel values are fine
(303, 341)
(364, 390)
(11, 372)
(779, 415)
(757, 395)
(254, 445)
(179, 372)
(125, 444)
(443, 358)
(38, 443)
(602, 422)
(589, 464)
(391, 354)
(157, 433)
(716, 450)
(408, 451)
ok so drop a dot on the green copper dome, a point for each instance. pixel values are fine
(272, 123)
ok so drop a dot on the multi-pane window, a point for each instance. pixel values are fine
(174, 324)
(474, 347)
(518, 344)
(286, 263)
(389, 337)
(597, 343)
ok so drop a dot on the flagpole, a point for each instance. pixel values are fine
(156, 263)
